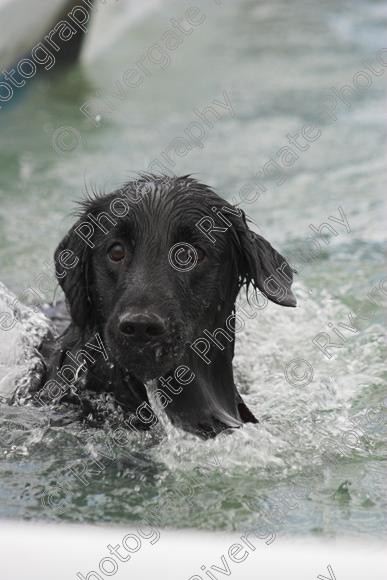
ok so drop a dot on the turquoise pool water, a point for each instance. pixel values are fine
(269, 70)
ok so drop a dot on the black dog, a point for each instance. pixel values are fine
(150, 268)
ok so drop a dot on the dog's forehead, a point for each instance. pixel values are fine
(159, 204)
(182, 200)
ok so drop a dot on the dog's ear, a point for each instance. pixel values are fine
(72, 271)
(262, 266)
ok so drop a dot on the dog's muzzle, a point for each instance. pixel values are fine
(146, 343)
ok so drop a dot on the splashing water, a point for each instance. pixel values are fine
(250, 468)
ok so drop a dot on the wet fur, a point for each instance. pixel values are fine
(191, 301)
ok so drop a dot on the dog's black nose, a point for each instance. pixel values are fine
(142, 327)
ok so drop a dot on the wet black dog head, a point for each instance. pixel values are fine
(157, 263)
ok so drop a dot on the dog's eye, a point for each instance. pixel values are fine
(192, 254)
(116, 252)
(200, 254)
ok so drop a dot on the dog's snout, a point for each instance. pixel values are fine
(142, 327)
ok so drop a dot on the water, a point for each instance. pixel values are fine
(276, 64)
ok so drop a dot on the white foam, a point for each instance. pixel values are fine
(19, 356)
